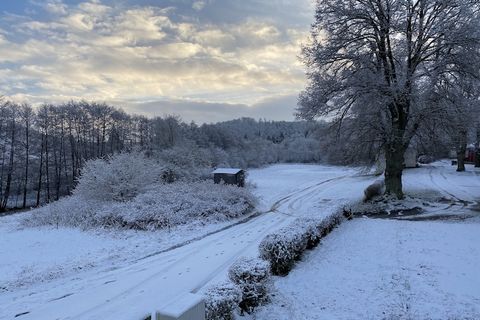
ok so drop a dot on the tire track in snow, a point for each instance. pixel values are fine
(301, 193)
(167, 262)
(168, 266)
(246, 225)
(443, 190)
(460, 188)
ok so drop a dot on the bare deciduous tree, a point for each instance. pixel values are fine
(377, 60)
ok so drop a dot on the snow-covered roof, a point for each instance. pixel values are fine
(227, 170)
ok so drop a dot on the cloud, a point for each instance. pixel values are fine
(135, 54)
(278, 108)
(199, 5)
(52, 6)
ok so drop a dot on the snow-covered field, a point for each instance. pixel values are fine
(384, 269)
(48, 273)
(391, 269)
(62, 273)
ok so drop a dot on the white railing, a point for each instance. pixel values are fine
(188, 307)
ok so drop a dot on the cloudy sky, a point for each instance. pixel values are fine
(205, 60)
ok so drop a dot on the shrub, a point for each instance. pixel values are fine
(118, 178)
(282, 248)
(308, 231)
(159, 206)
(72, 211)
(252, 276)
(221, 300)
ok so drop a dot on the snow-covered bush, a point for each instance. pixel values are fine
(282, 248)
(72, 211)
(186, 162)
(221, 300)
(285, 246)
(308, 231)
(326, 225)
(159, 206)
(252, 276)
(118, 178)
(165, 206)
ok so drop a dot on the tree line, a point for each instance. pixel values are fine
(42, 150)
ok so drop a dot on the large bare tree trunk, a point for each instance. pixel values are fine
(394, 159)
(396, 146)
(461, 149)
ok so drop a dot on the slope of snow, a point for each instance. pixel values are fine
(119, 277)
(126, 275)
(390, 269)
(385, 269)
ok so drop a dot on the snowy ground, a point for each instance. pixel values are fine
(69, 274)
(384, 269)
(390, 269)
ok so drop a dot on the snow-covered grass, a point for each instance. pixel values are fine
(136, 266)
(132, 268)
(385, 269)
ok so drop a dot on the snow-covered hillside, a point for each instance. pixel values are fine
(49, 273)
(426, 268)
(94, 274)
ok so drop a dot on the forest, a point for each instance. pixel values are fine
(44, 149)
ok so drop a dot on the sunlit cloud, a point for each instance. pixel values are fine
(132, 54)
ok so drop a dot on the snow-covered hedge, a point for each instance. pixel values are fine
(159, 206)
(281, 249)
(221, 301)
(252, 276)
(285, 246)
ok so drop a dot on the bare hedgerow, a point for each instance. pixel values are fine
(252, 276)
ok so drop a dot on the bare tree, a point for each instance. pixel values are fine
(376, 60)
(11, 132)
(26, 114)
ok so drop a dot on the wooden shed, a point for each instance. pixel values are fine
(229, 176)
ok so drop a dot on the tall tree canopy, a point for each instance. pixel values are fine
(379, 62)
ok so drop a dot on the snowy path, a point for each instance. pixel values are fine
(287, 191)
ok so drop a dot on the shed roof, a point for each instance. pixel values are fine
(227, 170)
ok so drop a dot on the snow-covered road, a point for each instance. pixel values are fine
(286, 192)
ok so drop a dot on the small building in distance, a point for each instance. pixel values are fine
(410, 158)
(229, 176)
